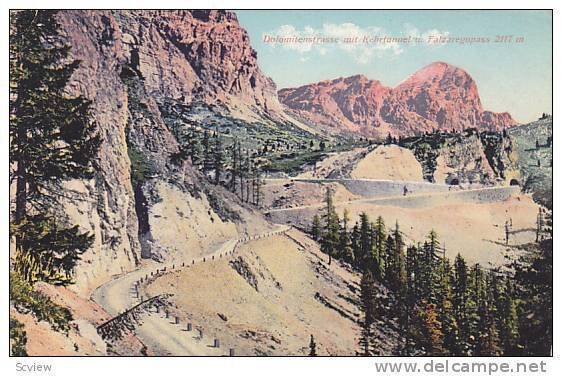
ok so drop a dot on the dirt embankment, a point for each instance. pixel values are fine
(82, 337)
(292, 193)
(270, 297)
(389, 163)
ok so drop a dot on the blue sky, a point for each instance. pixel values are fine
(513, 77)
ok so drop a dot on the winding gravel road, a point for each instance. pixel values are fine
(160, 334)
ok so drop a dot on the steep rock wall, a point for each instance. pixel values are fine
(130, 62)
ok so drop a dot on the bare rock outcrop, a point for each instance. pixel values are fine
(132, 62)
(437, 97)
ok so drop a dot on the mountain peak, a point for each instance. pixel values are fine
(437, 96)
(433, 72)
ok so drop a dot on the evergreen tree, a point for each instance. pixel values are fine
(330, 236)
(207, 152)
(379, 242)
(195, 150)
(487, 340)
(507, 318)
(218, 158)
(247, 174)
(533, 278)
(51, 134)
(444, 303)
(345, 250)
(365, 259)
(316, 227)
(355, 244)
(428, 268)
(240, 170)
(368, 306)
(52, 139)
(462, 305)
(432, 333)
(409, 304)
(235, 166)
(395, 270)
(258, 184)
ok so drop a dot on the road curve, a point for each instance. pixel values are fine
(160, 334)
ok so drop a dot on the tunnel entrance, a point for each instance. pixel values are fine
(454, 181)
(514, 182)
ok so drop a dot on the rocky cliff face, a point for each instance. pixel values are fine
(470, 157)
(131, 62)
(195, 55)
(437, 97)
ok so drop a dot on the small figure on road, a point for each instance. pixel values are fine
(405, 190)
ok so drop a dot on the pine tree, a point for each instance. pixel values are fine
(428, 268)
(312, 346)
(487, 340)
(507, 318)
(473, 299)
(395, 270)
(258, 187)
(534, 283)
(195, 151)
(379, 242)
(52, 139)
(218, 159)
(316, 228)
(444, 298)
(207, 152)
(355, 244)
(240, 170)
(412, 320)
(248, 175)
(344, 249)
(462, 304)
(51, 134)
(432, 333)
(234, 165)
(330, 236)
(365, 259)
(368, 306)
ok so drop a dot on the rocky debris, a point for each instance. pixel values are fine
(348, 315)
(437, 97)
(262, 338)
(242, 268)
(222, 316)
(254, 271)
